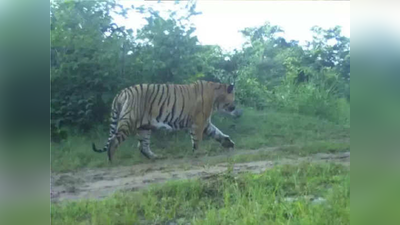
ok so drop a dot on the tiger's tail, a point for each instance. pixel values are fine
(113, 127)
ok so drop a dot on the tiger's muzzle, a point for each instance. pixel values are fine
(233, 111)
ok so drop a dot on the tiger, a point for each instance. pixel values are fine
(139, 109)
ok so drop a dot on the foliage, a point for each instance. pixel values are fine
(320, 71)
(93, 58)
(86, 66)
(311, 99)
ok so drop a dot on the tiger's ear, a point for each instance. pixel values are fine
(230, 88)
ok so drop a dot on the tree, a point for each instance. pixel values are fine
(85, 62)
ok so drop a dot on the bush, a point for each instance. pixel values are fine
(252, 93)
(310, 99)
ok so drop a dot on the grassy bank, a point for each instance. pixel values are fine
(304, 194)
(255, 129)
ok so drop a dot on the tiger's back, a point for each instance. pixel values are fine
(159, 105)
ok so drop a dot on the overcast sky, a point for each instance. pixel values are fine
(221, 21)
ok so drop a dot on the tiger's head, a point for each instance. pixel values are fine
(225, 100)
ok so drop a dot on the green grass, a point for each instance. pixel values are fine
(294, 151)
(317, 147)
(255, 129)
(283, 195)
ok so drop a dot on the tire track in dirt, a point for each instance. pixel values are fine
(102, 182)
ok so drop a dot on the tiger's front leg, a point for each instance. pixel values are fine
(213, 132)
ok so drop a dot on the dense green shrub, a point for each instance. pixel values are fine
(310, 99)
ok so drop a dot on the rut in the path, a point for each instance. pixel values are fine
(99, 183)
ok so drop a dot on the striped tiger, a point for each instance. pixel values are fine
(142, 108)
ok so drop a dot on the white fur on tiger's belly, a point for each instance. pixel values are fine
(160, 125)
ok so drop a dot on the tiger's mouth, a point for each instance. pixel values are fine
(229, 107)
(232, 110)
(237, 113)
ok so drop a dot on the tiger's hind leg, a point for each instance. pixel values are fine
(196, 134)
(144, 143)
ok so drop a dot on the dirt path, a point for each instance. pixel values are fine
(101, 182)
